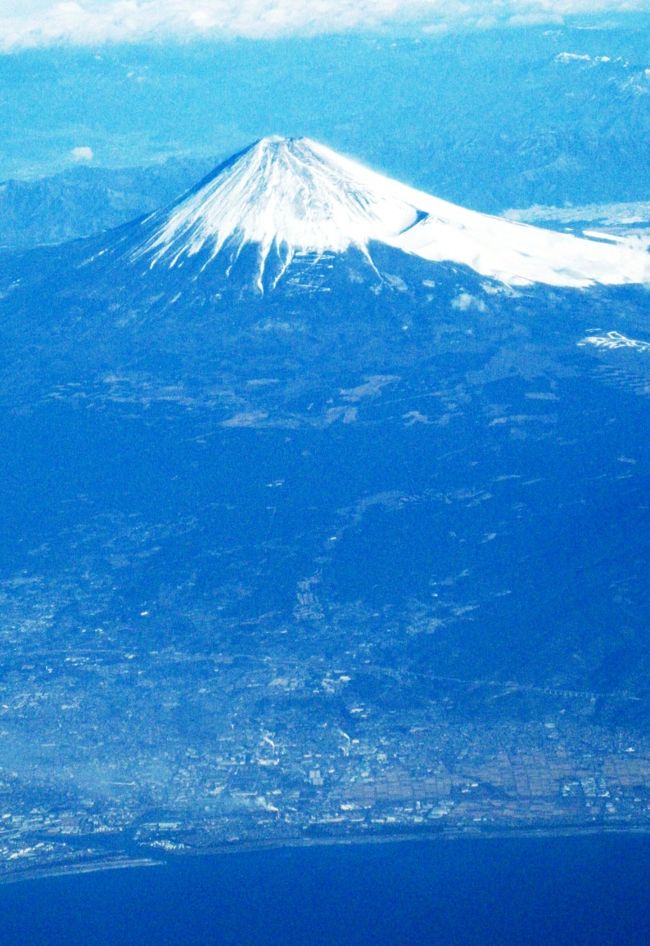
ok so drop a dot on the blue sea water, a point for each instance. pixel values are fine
(587, 891)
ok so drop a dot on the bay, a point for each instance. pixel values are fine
(476, 892)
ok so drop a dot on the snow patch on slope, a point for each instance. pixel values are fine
(612, 340)
(295, 197)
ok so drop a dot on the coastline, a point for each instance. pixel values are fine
(251, 847)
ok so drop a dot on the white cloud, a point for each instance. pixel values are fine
(82, 153)
(466, 301)
(25, 23)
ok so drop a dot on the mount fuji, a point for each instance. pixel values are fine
(292, 198)
(299, 263)
(312, 456)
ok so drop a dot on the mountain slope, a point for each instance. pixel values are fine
(290, 197)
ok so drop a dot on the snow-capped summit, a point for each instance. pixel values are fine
(294, 196)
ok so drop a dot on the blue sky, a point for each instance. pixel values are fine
(30, 23)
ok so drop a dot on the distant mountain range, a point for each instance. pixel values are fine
(87, 200)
